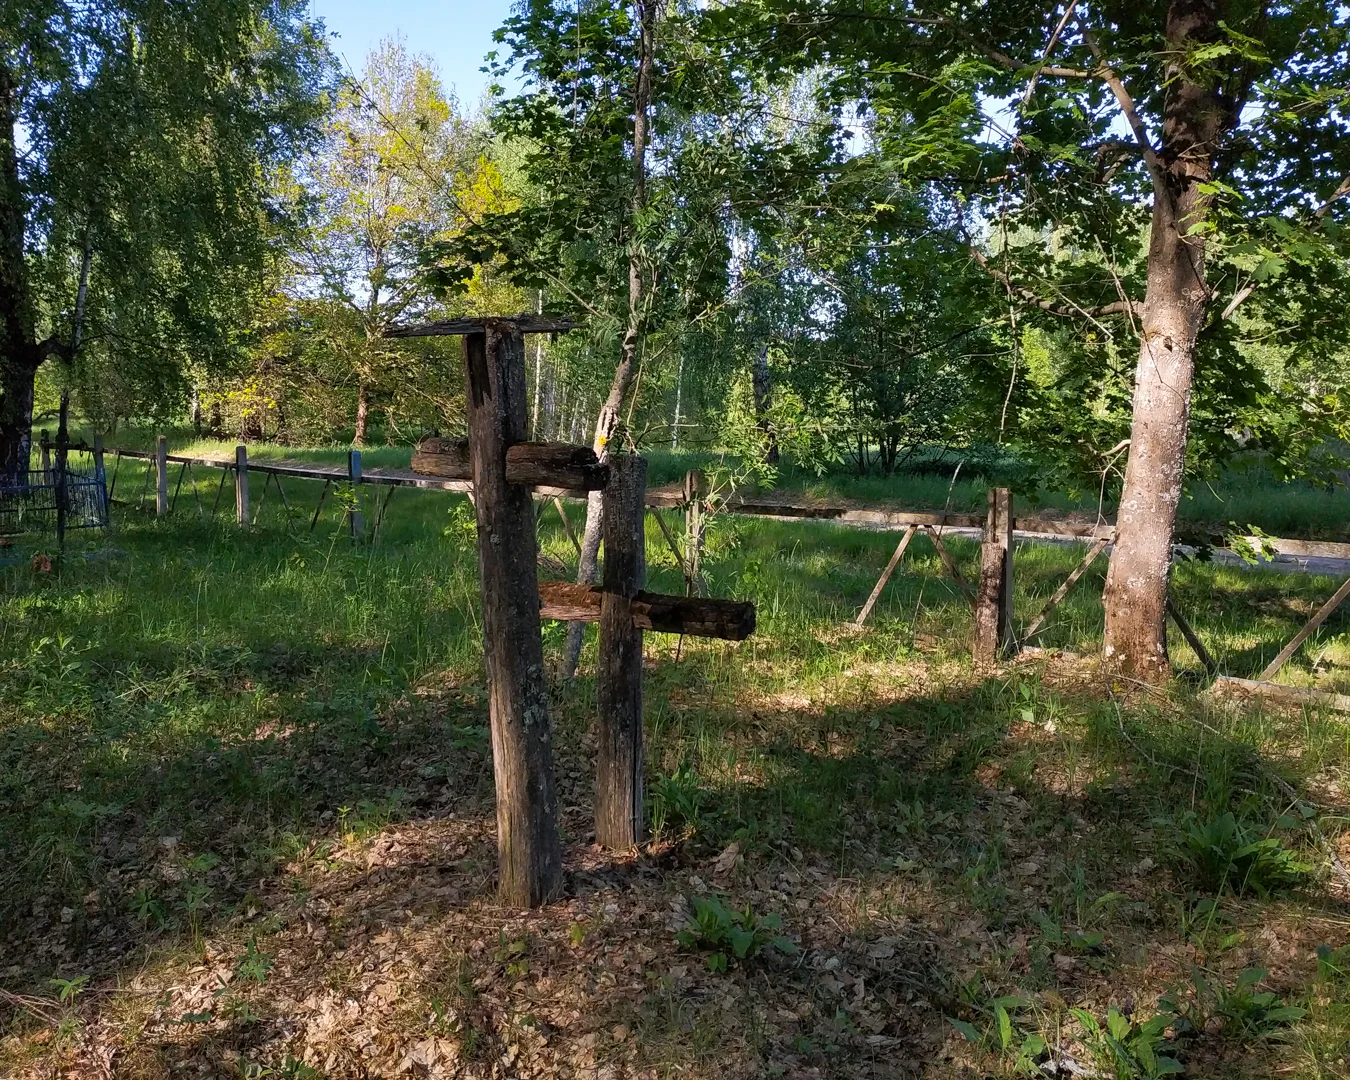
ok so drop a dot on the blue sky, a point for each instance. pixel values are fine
(454, 33)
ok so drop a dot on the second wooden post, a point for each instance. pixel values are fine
(993, 602)
(529, 856)
(618, 790)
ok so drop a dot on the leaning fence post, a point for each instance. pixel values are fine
(618, 786)
(46, 457)
(529, 857)
(161, 476)
(695, 488)
(100, 482)
(241, 485)
(993, 603)
(355, 519)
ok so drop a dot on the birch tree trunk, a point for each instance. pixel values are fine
(607, 422)
(20, 355)
(1174, 307)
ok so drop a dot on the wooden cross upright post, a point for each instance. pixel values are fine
(529, 856)
(504, 467)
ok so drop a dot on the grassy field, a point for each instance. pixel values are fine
(1248, 496)
(246, 823)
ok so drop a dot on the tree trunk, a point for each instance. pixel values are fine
(20, 355)
(1174, 308)
(762, 384)
(362, 415)
(608, 421)
(679, 401)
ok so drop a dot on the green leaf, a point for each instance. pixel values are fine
(741, 941)
(971, 1032)
(1004, 1026)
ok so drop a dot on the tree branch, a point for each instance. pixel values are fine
(1070, 311)
(1341, 192)
(1113, 81)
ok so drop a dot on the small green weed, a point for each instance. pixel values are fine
(724, 934)
(1022, 1050)
(1226, 853)
(1242, 1010)
(677, 803)
(1129, 1049)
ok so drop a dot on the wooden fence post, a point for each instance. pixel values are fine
(46, 457)
(695, 488)
(993, 606)
(101, 495)
(241, 485)
(618, 785)
(528, 853)
(161, 476)
(356, 521)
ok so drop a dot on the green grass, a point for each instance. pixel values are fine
(212, 740)
(1246, 496)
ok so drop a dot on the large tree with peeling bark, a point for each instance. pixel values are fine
(1191, 154)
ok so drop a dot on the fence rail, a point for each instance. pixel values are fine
(991, 599)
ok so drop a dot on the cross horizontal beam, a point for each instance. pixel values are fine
(533, 464)
(524, 323)
(696, 616)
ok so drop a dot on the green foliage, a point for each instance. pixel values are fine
(728, 935)
(1022, 1050)
(1227, 853)
(1242, 1011)
(1130, 1049)
(677, 802)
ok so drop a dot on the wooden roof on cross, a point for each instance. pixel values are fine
(524, 323)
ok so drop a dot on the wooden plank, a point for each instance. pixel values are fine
(1310, 549)
(993, 602)
(161, 476)
(529, 856)
(1323, 613)
(1063, 590)
(618, 783)
(885, 576)
(527, 322)
(1227, 685)
(532, 463)
(696, 616)
(1192, 638)
(949, 563)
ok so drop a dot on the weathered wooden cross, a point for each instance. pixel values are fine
(504, 468)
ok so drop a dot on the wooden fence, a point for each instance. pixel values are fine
(555, 472)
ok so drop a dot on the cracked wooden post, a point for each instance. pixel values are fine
(993, 604)
(618, 785)
(529, 857)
